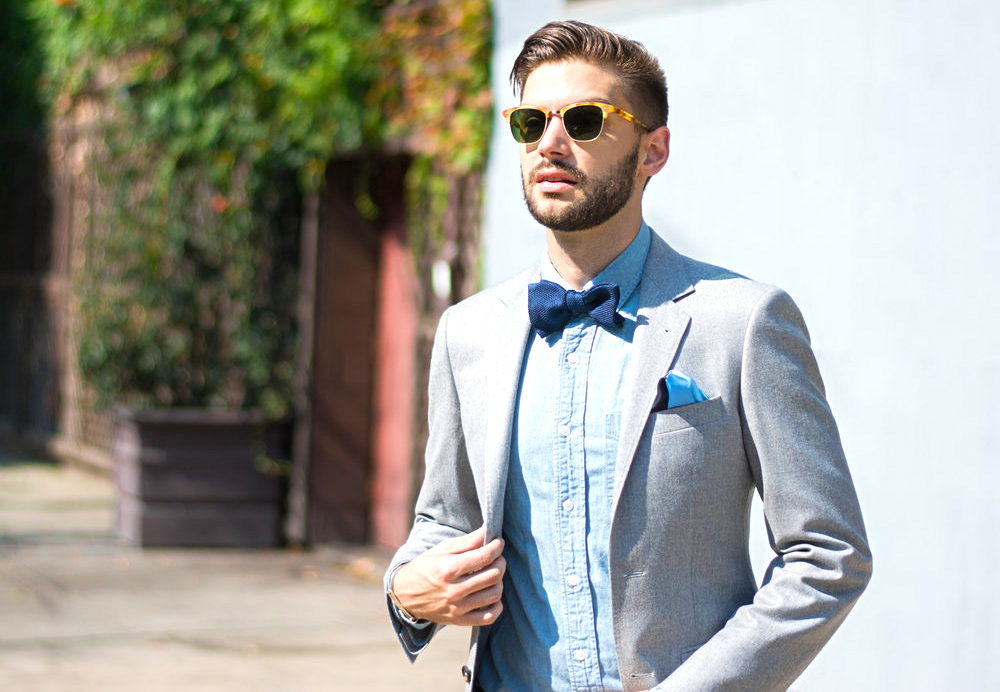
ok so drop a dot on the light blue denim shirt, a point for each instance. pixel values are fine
(556, 632)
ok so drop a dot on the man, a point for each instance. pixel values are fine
(593, 452)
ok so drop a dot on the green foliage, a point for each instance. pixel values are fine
(210, 82)
(214, 118)
(201, 309)
(208, 113)
(434, 80)
(434, 91)
(22, 60)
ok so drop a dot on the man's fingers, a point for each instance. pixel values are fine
(473, 561)
(469, 553)
(464, 543)
(482, 616)
(485, 577)
(483, 598)
(459, 581)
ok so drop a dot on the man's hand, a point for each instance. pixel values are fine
(458, 582)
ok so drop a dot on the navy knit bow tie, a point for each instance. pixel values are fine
(550, 306)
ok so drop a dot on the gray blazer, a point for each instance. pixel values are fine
(686, 609)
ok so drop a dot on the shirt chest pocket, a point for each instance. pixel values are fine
(690, 416)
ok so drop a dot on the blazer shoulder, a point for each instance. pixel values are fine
(499, 296)
(695, 281)
(726, 301)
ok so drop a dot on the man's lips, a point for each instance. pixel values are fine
(553, 181)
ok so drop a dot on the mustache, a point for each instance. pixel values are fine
(579, 175)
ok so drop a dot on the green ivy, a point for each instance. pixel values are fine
(209, 113)
(212, 82)
(216, 118)
(22, 61)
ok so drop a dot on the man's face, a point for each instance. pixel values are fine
(570, 185)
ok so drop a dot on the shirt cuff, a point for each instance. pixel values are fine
(398, 608)
(409, 619)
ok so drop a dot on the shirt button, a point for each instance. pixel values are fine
(580, 655)
(572, 358)
(573, 580)
(568, 505)
(564, 429)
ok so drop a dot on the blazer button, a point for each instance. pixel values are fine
(466, 673)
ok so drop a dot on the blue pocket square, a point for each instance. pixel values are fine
(676, 389)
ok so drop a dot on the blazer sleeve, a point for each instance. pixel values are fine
(447, 505)
(822, 559)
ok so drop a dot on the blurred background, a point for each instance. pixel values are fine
(256, 207)
(233, 226)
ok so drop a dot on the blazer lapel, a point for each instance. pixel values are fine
(504, 357)
(660, 329)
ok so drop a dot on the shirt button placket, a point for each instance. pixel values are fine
(574, 515)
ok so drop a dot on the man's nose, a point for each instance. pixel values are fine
(555, 141)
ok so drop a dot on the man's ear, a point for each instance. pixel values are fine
(654, 155)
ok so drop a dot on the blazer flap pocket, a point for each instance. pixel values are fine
(690, 416)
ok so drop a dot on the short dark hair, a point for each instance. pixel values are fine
(567, 40)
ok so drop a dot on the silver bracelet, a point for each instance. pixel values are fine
(402, 612)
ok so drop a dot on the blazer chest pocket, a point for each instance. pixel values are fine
(690, 416)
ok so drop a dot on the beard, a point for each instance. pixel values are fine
(604, 197)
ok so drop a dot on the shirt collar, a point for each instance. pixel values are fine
(624, 270)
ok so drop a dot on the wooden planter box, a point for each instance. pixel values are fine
(192, 477)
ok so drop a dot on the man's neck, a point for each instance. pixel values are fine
(579, 256)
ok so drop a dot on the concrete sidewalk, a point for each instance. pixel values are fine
(80, 613)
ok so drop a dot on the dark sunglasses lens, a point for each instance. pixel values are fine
(584, 123)
(527, 125)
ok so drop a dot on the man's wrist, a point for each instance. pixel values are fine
(401, 611)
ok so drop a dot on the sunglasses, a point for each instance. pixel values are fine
(584, 122)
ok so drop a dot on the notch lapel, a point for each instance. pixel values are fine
(660, 329)
(505, 353)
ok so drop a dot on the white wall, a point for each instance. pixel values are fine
(847, 151)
